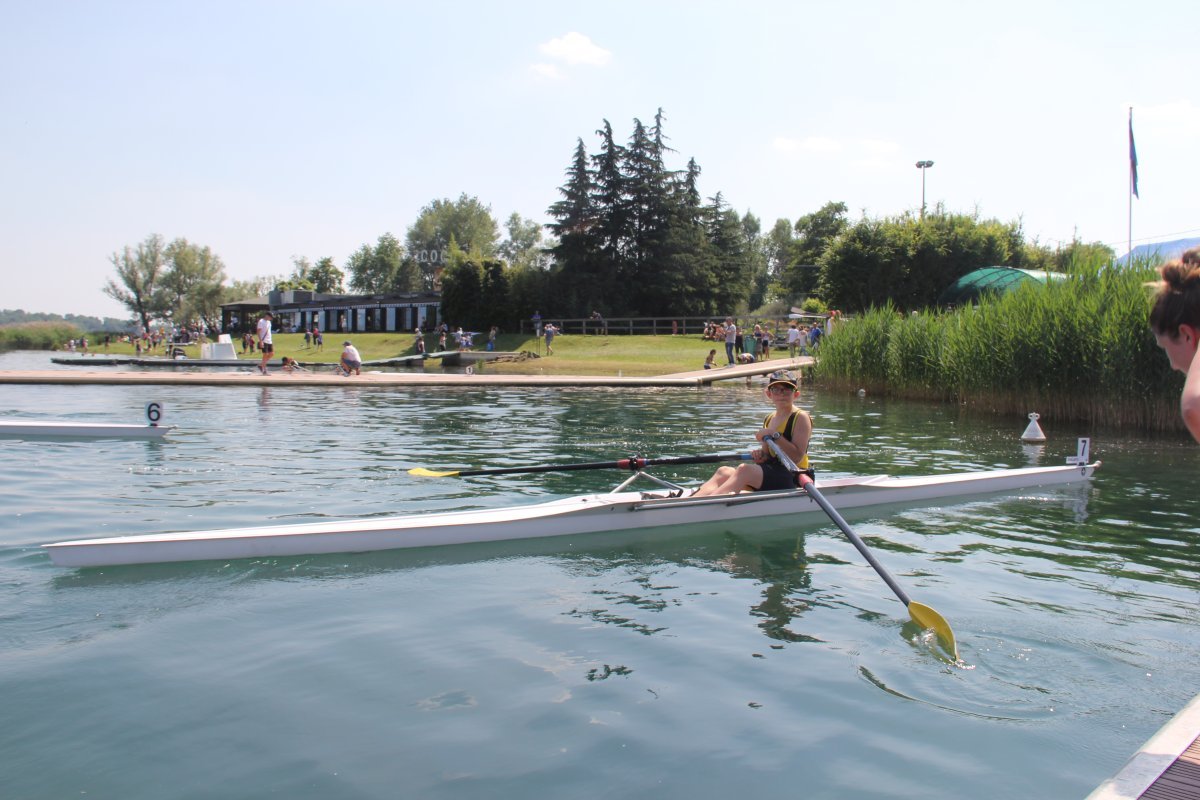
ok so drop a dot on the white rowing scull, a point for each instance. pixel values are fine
(586, 514)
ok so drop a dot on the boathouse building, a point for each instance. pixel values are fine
(296, 310)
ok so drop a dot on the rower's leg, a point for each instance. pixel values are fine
(728, 480)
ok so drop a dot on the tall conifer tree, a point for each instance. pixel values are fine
(577, 254)
(612, 207)
(727, 237)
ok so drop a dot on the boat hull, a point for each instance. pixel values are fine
(584, 514)
(80, 430)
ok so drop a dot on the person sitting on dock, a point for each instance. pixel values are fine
(351, 360)
(788, 426)
(291, 365)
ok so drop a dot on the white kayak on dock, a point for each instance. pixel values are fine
(586, 514)
(66, 429)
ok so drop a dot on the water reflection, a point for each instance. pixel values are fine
(345, 454)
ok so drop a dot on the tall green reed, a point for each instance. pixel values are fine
(1072, 349)
(37, 335)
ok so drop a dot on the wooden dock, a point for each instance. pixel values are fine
(277, 377)
(1165, 768)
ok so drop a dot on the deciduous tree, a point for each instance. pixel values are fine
(814, 233)
(466, 220)
(193, 285)
(377, 270)
(326, 277)
(137, 286)
(524, 245)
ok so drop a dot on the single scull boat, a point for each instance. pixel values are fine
(65, 429)
(616, 511)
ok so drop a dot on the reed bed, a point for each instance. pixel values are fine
(37, 335)
(1077, 349)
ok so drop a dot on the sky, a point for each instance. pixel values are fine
(274, 130)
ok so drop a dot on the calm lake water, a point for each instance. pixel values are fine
(752, 661)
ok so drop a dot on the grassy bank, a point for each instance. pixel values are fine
(573, 354)
(1077, 349)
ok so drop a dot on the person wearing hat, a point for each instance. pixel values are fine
(790, 428)
(351, 360)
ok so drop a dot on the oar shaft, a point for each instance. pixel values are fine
(632, 463)
(922, 614)
(806, 482)
(859, 544)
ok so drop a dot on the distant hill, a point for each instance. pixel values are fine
(84, 323)
(1159, 252)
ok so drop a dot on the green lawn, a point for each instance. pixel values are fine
(574, 354)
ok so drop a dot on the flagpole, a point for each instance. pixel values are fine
(1129, 248)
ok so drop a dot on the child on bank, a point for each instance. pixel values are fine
(788, 426)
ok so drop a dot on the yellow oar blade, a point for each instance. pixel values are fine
(429, 473)
(926, 617)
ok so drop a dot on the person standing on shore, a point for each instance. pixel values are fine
(1175, 320)
(793, 339)
(264, 340)
(550, 331)
(731, 337)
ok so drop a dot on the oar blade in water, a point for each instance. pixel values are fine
(429, 473)
(926, 617)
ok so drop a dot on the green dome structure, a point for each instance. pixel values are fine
(970, 287)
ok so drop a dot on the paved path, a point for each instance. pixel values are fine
(378, 379)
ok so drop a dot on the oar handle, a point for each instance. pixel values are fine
(807, 483)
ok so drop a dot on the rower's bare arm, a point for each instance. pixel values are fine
(801, 433)
(1189, 402)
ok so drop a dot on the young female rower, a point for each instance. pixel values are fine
(788, 426)
(1175, 320)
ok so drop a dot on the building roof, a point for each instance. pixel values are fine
(970, 287)
(253, 302)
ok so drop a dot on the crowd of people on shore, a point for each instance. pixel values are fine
(748, 346)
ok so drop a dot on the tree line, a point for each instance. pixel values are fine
(83, 322)
(629, 236)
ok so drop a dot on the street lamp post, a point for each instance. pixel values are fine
(923, 165)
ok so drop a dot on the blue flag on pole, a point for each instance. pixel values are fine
(1132, 160)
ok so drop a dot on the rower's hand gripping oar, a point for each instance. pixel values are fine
(632, 464)
(921, 614)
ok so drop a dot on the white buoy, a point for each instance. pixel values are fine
(1033, 433)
